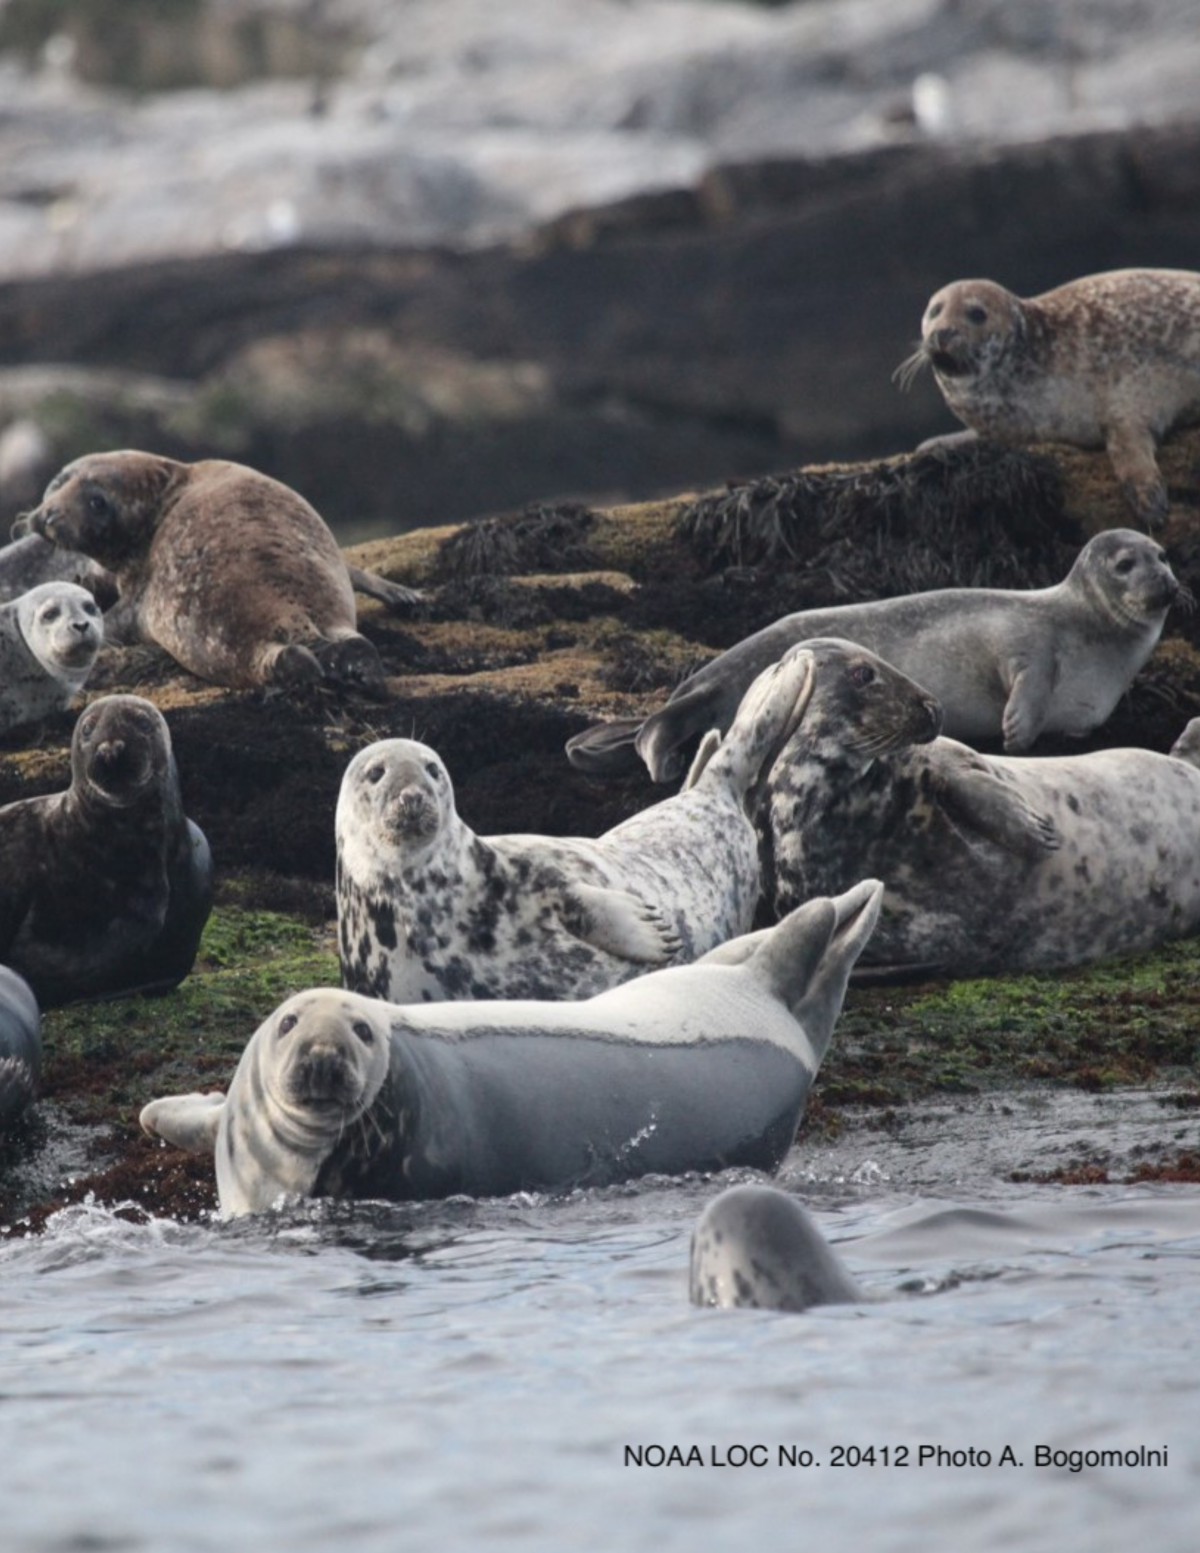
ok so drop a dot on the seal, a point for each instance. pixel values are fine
(992, 863)
(105, 888)
(1107, 361)
(695, 1067)
(755, 1246)
(1003, 663)
(20, 1046)
(429, 910)
(49, 639)
(229, 571)
(29, 559)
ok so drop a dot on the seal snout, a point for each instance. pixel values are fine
(322, 1075)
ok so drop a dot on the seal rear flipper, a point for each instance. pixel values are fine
(189, 1122)
(709, 745)
(978, 801)
(606, 749)
(807, 958)
(623, 925)
(393, 595)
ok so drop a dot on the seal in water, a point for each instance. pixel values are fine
(49, 639)
(429, 910)
(696, 1067)
(1108, 361)
(1001, 662)
(992, 863)
(756, 1246)
(105, 888)
(232, 573)
(20, 1046)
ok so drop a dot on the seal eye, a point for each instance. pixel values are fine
(976, 314)
(91, 608)
(98, 505)
(1124, 566)
(936, 310)
(52, 612)
(862, 674)
(374, 774)
(364, 1032)
(433, 770)
(288, 1022)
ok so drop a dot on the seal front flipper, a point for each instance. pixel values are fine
(1030, 691)
(188, 1121)
(393, 595)
(978, 801)
(1132, 454)
(621, 924)
(606, 749)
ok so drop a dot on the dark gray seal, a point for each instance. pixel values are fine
(992, 863)
(1009, 663)
(49, 638)
(20, 1046)
(697, 1067)
(232, 573)
(429, 910)
(1107, 361)
(105, 888)
(757, 1247)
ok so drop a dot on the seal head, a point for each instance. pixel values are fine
(20, 1046)
(756, 1247)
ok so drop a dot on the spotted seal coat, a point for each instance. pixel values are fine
(49, 638)
(992, 863)
(1002, 662)
(105, 888)
(231, 572)
(20, 1046)
(695, 1067)
(755, 1246)
(1107, 361)
(428, 910)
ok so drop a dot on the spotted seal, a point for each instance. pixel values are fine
(49, 639)
(1003, 663)
(429, 910)
(231, 572)
(992, 863)
(20, 1046)
(105, 888)
(1109, 360)
(695, 1067)
(755, 1246)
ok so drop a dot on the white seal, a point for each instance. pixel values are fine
(49, 638)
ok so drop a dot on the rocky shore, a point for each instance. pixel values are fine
(537, 623)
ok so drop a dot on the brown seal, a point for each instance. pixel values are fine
(233, 573)
(1109, 360)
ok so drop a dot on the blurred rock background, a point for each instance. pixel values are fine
(433, 258)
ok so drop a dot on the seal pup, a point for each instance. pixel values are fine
(429, 910)
(757, 1247)
(229, 571)
(1107, 361)
(49, 639)
(1004, 663)
(696, 1067)
(105, 888)
(20, 1046)
(992, 863)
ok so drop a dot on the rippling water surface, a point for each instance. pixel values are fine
(470, 1374)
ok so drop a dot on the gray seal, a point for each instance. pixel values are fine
(696, 1067)
(20, 1046)
(1107, 361)
(1003, 663)
(232, 573)
(49, 638)
(105, 888)
(993, 863)
(429, 910)
(757, 1247)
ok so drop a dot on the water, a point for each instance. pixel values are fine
(468, 1375)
